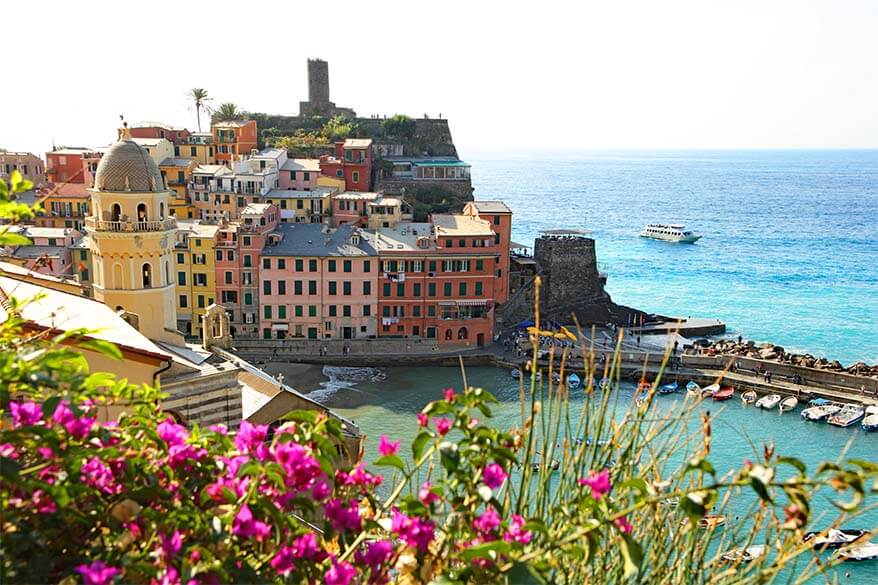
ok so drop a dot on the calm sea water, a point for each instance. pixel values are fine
(790, 247)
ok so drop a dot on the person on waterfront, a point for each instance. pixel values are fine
(740, 339)
(638, 341)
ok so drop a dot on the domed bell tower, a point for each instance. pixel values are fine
(132, 238)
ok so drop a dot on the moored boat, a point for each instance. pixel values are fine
(819, 402)
(870, 419)
(573, 381)
(788, 404)
(834, 538)
(818, 413)
(860, 552)
(745, 555)
(693, 389)
(768, 402)
(848, 415)
(711, 521)
(516, 374)
(749, 397)
(605, 384)
(724, 393)
(668, 388)
(710, 390)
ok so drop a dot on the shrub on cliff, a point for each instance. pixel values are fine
(399, 126)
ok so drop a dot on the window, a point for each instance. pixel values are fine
(449, 243)
(181, 258)
(192, 151)
(332, 311)
(496, 220)
(385, 311)
(306, 176)
(496, 238)
(339, 173)
(355, 176)
(386, 289)
(282, 312)
(181, 278)
(461, 243)
(297, 287)
(431, 332)
(447, 289)
(300, 204)
(266, 333)
(266, 263)
(266, 287)
(247, 261)
(431, 310)
(346, 265)
(312, 287)
(240, 201)
(266, 311)
(230, 296)
(480, 265)
(147, 275)
(367, 287)
(367, 266)
(462, 289)
(312, 265)
(431, 289)
(416, 311)
(367, 310)
(346, 288)
(298, 310)
(281, 264)
(299, 265)
(400, 289)
(219, 254)
(201, 303)
(230, 255)
(478, 289)
(281, 287)
(345, 310)
(333, 287)
(248, 298)
(184, 301)
(312, 310)
(331, 265)
(433, 266)
(312, 333)
(416, 289)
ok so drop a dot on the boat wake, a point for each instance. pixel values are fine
(344, 378)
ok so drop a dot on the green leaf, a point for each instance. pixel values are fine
(702, 464)
(103, 347)
(9, 469)
(485, 550)
(449, 456)
(760, 477)
(524, 573)
(632, 554)
(391, 461)
(50, 404)
(419, 444)
(797, 463)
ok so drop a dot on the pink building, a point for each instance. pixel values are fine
(49, 250)
(318, 283)
(351, 207)
(238, 254)
(299, 174)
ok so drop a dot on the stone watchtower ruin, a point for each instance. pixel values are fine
(318, 103)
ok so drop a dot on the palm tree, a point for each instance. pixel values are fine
(227, 111)
(199, 96)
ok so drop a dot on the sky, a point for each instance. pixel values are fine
(508, 75)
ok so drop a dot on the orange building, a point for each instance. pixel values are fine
(499, 216)
(71, 164)
(159, 130)
(233, 138)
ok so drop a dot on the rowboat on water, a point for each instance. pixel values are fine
(709, 521)
(516, 374)
(861, 552)
(834, 538)
(818, 413)
(573, 381)
(788, 404)
(749, 397)
(724, 393)
(848, 415)
(605, 384)
(870, 421)
(693, 389)
(745, 555)
(768, 402)
(668, 388)
(709, 390)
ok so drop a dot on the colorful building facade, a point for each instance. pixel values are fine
(352, 162)
(31, 167)
(233, 138)
(195, 272)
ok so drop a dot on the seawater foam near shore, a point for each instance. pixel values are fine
(342, 377)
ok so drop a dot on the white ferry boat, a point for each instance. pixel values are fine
(674, 232)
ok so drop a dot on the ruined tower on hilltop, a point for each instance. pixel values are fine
(318, 103)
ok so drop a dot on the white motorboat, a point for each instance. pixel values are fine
(861, 552)
(749, 397)
(745, 555)
(788, 404)
(769, 401)
(870, 420)
(573, 381)
(818, 413)
(693, 389)
(674, 232)
(834, 538)
(710, 390)
(848, 415)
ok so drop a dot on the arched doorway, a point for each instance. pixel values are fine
(147, 275)
(141, 212)
(462, 333)
(448, 335)
(116, 212)
(161, 210)
(480, 339)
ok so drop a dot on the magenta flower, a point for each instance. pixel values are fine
(320, 490)
(251, 439)
(377, 554)
(358, 477)
(8, 450)
(340, 574)
(282, 562)
(97, 475)
(25, 414)
(423, 419)
(306, 547)
(172, 433)
(488, 522)
(598, 483)
(387, 447)
(170, 576)
(171, 545)
(343, 517)
(75, 426)
(219, 429)
(425, 495)
(415, 531)
(43, 502)
(448, 394)
(244, 526)
(494, 476)
(623, 525)
(516, 532)
(443, 425)
(97, 573)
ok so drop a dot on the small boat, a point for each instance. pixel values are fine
(749, 397)
(861, 552)
(573, 381)
(709, 390)
(708, 521)
(605, 384)
(768, 402)
(870, 421)
(675, 232)
(819, 402)
(788, 404)
(693, 389)
(536, 466)
(589, 441)
(834, 538)
(668, 388)
(516, 374)
(848, 415)
(644, 386)
(745, 555)
(556, 377)
(724, 393)
(818, 413)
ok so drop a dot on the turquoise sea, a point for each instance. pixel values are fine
(790, 247)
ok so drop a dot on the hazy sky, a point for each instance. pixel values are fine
(583, 74)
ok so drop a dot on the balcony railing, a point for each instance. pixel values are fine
(130, 226)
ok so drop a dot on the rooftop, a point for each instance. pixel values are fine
(316, 193)
(404, 237)
(461, 225)
(73, 150)
(434, 161)
(212, 170)
(176, 162)
(69, 190)
(231, 124)
(35, 231)
(148, 142)
(161, 125)
(197, 228)
(565, 233)
(358, 143)
(313, 239)
(490, 207)
(31, 252)
(356, 196)
(301, 164)
(256, 209)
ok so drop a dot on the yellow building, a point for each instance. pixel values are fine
(197, 147)
(313, 206)
(195, 272)
(177, 173)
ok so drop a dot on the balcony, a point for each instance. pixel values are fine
(161, 225)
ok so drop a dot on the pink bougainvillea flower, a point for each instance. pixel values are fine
(244, 526)
(220, 429)
(8, 450)
(387, 447)
(75, 426)
(25, 413)
(494, 476)
(282, 562)
(488, 522)
(378, 553)
(343, 517)
(415, 531)
(99, 476)
(473, 423)
(169, 576)
(623, 525)
(97, 573)
(306, 547)
(448, 394)
(339, 574)
(172, 433)
(43, 502)
(443, 425)
(425, 495)
(251, 439)
(320, 490)
(598, 483)
(516, 532)
(171, 545)
(423, 419)
(358, 477)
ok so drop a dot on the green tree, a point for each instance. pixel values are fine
(399, 126)
(227, 111)
(340, 127)
(200, 98)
